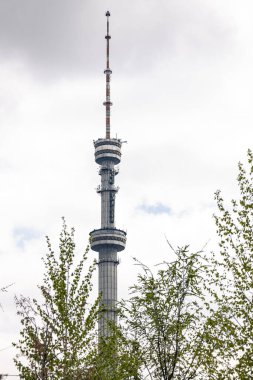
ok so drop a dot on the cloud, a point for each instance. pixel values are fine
(62, 37)
(24, 234)
(155, 209)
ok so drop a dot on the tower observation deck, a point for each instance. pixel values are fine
(108, 240)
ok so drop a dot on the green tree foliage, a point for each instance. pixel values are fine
(118, 357)
(235, 282)
(169, 315)
(193, 319)
(57, 339)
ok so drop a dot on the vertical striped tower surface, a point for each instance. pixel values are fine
(108, 240)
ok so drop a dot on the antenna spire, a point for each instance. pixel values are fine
(108, 73)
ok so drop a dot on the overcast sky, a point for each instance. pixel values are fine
(182, 91)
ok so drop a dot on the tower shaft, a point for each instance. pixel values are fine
(108, 240)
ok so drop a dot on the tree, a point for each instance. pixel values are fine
(118, 356)
(169, 314)
(235, 282)
(4, 289)
(57, 339)
(194, 318)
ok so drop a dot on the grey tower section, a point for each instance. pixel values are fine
(108, 240)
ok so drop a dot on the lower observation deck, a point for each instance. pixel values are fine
(108, 238)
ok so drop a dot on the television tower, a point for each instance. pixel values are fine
(108, 240)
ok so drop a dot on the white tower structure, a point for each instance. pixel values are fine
(108, 240)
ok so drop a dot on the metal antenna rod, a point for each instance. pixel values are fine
(107, 37)
(108, 73)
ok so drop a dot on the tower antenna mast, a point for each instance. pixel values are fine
(108, 73)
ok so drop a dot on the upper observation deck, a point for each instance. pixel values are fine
(108, 150)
